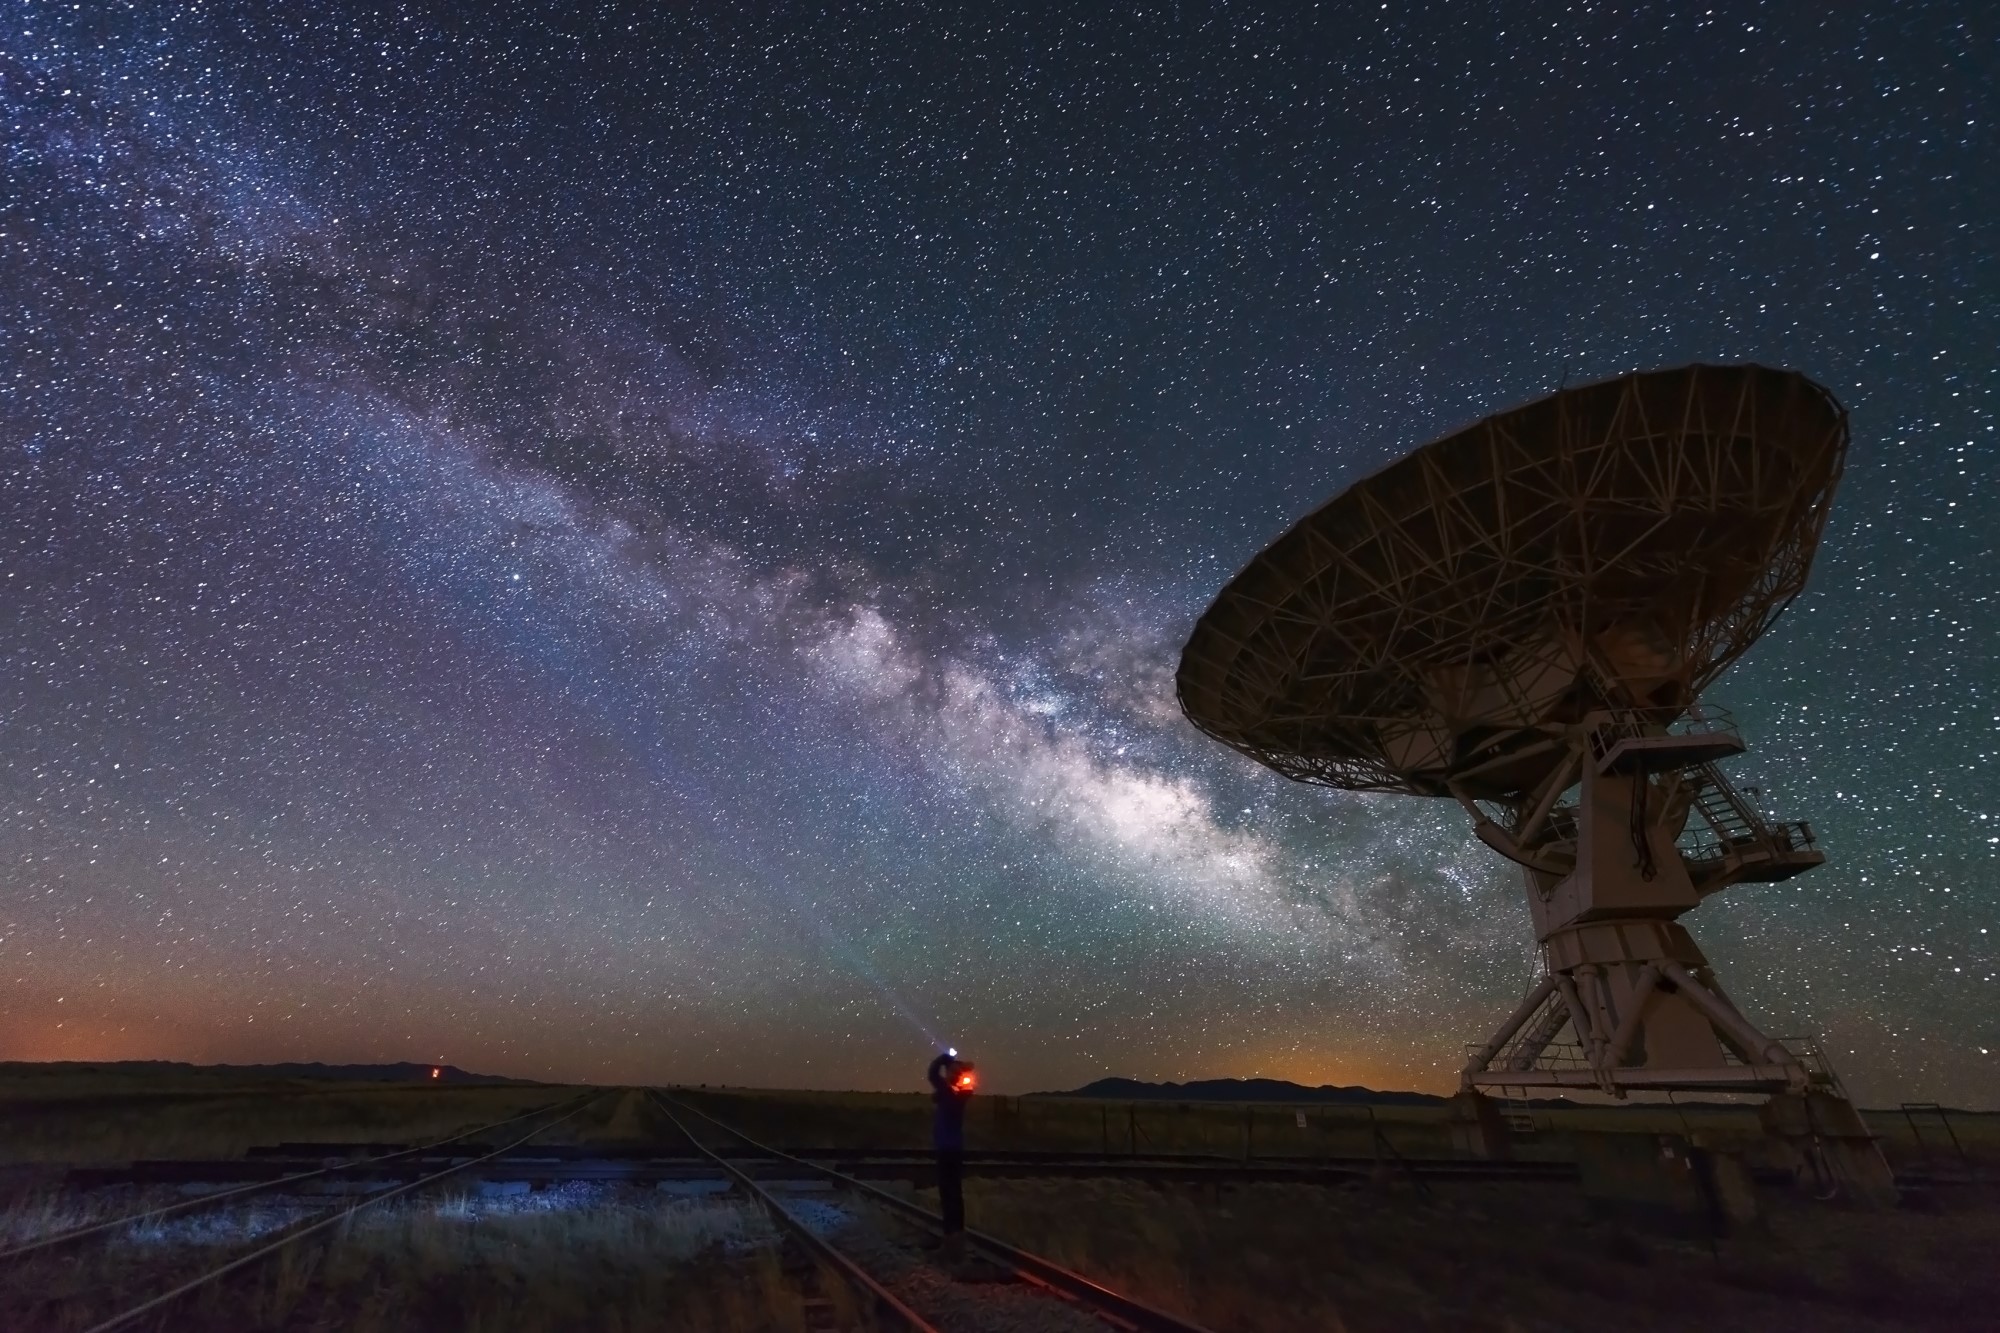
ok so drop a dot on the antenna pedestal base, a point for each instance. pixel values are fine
(1644, 1013)
(1635, 1000)
(1477, 1128)
(1834, 1150)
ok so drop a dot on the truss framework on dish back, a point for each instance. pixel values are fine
(1522, 616)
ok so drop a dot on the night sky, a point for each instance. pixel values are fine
(635, 547)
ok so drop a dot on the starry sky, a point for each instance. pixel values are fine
(628, 545)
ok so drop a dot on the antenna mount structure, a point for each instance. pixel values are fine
(1522, 617)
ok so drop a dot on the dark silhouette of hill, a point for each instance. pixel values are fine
(1278, 1090)
(1243, 1090)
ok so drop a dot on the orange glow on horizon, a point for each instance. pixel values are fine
(1391, 1071)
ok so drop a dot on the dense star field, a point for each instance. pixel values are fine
(631, 546)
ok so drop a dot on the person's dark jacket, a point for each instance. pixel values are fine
(948, 1115)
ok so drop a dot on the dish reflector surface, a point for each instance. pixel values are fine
(1610, 546)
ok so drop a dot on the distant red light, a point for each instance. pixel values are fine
(437, 1073)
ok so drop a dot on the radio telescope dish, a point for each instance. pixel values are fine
(1522, 616)
(1615, 545)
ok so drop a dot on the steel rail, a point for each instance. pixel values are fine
(626, 1165)
(319, 1224)
(846, 1267)
(70, 1237)
(1045, 1272)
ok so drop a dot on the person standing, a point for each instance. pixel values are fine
(952, 1082)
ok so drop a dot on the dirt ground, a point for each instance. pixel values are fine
(1383, 1254)
(1505, 1258)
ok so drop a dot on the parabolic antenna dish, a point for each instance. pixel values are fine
(1610, 546)
(1522, 616)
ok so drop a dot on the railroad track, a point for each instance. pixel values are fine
(865, 1284)
(549, 1166)
(1056, 1282)
(261, 1182)
(20, 1259)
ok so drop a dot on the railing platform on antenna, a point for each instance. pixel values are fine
(1652, 740)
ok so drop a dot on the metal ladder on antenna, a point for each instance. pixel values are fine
(1746, 846)
(1527, 1048)
(1726, 813)
(1519, 1117)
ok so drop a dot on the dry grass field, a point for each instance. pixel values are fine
(1502, 1259)
(799, 1120)
(75, 1117)
(1379, 1254)
(571, 1257)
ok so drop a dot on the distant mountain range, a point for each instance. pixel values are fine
(1243, 1090)
(401, 1072)
(1278, 1090)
